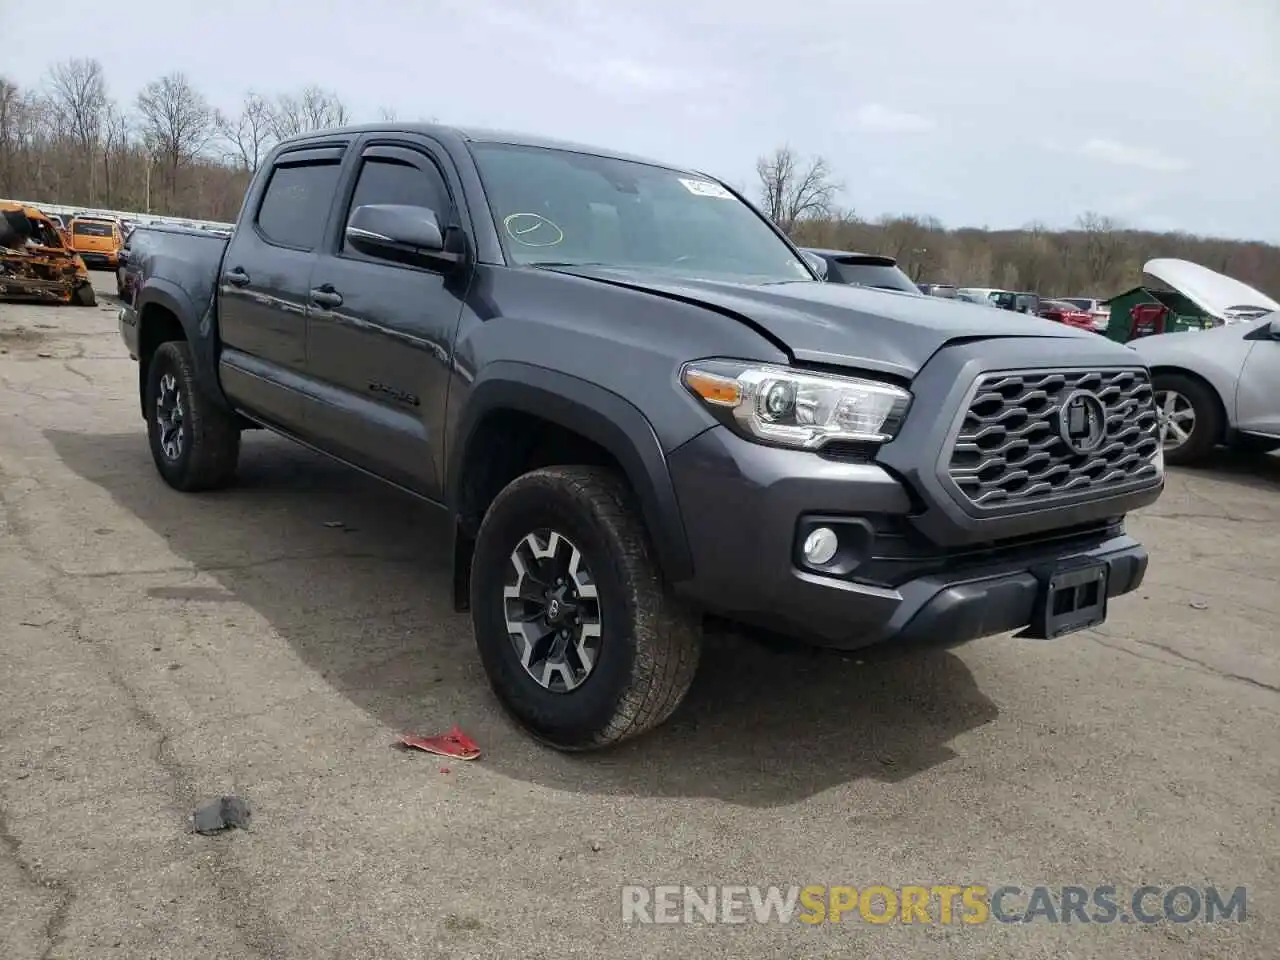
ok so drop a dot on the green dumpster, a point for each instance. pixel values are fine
(1184, 315)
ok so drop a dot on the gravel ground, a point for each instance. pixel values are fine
(161, 649)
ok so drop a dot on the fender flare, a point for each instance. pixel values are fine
(601, 416)
(198, 326)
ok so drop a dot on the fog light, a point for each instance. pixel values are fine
(820, 546)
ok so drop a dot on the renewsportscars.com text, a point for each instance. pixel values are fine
(935, 904)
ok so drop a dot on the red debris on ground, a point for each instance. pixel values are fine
(454, 744)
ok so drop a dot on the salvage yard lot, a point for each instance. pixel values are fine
(271, 641)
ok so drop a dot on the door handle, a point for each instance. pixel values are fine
(236, 277)
(326, 297)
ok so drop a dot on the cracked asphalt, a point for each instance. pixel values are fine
(159, 650)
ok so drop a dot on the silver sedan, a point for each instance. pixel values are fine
(1219, 386)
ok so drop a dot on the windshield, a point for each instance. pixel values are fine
(82, 228)
(556, 207)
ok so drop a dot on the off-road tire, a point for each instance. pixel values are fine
(650, 642)
(1207, 431)
(83, 296)
(211, 448)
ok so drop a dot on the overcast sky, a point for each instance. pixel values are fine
(1162, 113)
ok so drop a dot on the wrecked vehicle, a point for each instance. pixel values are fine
(36, 262)
(637, 403)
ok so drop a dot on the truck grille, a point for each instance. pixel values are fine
(1038, 435)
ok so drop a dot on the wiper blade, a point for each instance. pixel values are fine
(569, 263)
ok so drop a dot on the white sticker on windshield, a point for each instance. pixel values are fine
(705, 188)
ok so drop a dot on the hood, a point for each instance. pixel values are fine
(842, 324)
(1195, 341)
(1215, 293)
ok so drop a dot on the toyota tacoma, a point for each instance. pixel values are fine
(639, 406)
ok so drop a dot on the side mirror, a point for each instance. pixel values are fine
(1273, 328)
(819, 264)
(400, 232)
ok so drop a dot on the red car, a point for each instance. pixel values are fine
(1060, 311)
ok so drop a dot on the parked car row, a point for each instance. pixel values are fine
(97, 239)
(881, 272)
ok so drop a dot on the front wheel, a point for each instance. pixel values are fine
(580, 640)
(195, 444)
(1190, 418)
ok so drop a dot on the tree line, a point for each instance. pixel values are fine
(169, 151)
(1097, 256)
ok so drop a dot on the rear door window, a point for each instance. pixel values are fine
(295, 207)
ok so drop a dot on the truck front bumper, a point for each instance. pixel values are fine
(747, 509)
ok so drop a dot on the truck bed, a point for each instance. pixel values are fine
(190, 260)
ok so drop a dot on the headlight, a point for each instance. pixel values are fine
(797, 408)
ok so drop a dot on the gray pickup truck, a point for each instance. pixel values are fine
(639, 405)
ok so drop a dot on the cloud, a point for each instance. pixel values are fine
(622, 75)
(878, 118)
(1123, 155)
(579, 41)
(1131, 203)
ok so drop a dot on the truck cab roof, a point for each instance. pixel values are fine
(479, 135)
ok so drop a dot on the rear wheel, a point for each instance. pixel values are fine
(1190, 418)
(195, 444)
(579, 638)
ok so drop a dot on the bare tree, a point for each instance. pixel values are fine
(1036, 259)
(792, 190)
(177, 124)
(249, 134)
(115, 142)
(313, 109)
(10, 142)
(27, 142)
(78, 99)
(387, 114)
(1103, 247)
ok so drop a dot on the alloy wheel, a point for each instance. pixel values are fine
(1177, 418)
(170, 417)
(552, 611)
